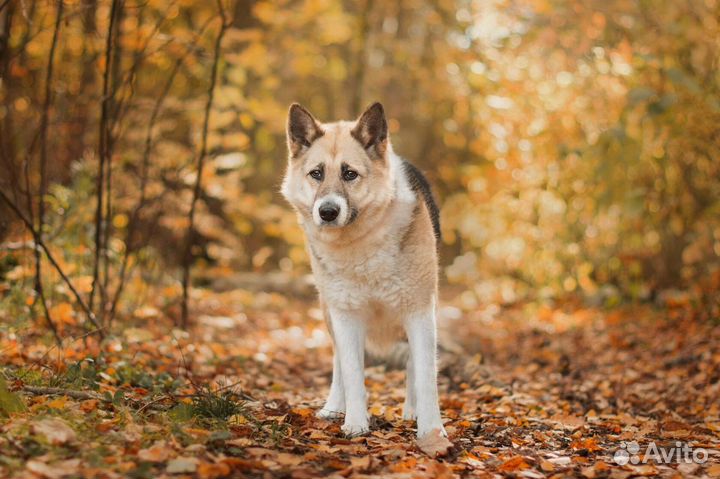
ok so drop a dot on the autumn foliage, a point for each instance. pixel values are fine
(154, 298)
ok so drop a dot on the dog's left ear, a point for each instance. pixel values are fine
(371, 130)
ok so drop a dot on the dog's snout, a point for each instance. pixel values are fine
(329, 211)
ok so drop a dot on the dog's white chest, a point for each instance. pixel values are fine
(355, 280)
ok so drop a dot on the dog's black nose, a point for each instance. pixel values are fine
(329, 212)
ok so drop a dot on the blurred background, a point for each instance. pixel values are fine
(573, 145)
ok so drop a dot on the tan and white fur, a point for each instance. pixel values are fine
(371, 228)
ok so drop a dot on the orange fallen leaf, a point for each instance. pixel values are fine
(89, 405)
(58, 403)
(287, 459)
(303, 412)
(105, 426)
(589, 444)
(516, 463)
(405, 465)
(55, 470)
(361, 463)
(714, 470)
(158, 452)
(212, 471)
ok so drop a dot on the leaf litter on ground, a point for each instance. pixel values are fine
(535, 391)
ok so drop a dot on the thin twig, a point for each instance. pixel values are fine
(87, 395)
(187, 258)
(103, 154)
(82, 395)
(43, 171)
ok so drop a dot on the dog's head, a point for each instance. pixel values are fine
(337, 171)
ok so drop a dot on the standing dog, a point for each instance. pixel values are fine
(372, 229)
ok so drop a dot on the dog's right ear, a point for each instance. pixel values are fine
(302, 129)
(371, 130)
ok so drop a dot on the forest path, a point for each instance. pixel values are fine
(528, 391)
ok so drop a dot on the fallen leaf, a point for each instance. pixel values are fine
(589, 444)
(303, 412)
(181, 465)
(568, 422)
(361, 463)
(58, 403)
(560, 461)
(158, 452)
(89, 406)
(212, 471)
(439, 470)
(9, 401)
(643, 469)
(286, 459)
(434, 443)
(714, 470)
(55, 470)
(514, 464)
(406, 465)
(55, 430)
(239, 442)
(132, 432)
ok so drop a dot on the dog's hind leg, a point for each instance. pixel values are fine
(410, 399)
(335, 404)
(422, 336)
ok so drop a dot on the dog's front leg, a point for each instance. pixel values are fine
(422, 336)
(335, 404)
(410, 401)
(349, 331)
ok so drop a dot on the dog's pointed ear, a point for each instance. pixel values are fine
(371, 130)
(302, 129)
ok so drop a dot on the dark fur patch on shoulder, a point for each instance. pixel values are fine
(420, 184)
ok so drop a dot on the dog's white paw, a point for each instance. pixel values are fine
(329, 414)
(409, 413)
(425, 430)
(355, 430)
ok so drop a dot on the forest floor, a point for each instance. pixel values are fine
(526, 391)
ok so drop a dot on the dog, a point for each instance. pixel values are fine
(372, 231)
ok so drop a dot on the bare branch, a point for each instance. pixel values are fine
(43, 170)
(103, 152)
(71, 393)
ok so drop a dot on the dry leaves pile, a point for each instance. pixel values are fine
(527, 392)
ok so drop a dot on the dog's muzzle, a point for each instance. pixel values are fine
(330, 210)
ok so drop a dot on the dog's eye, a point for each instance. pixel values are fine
(316, 174)
(350, 175)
